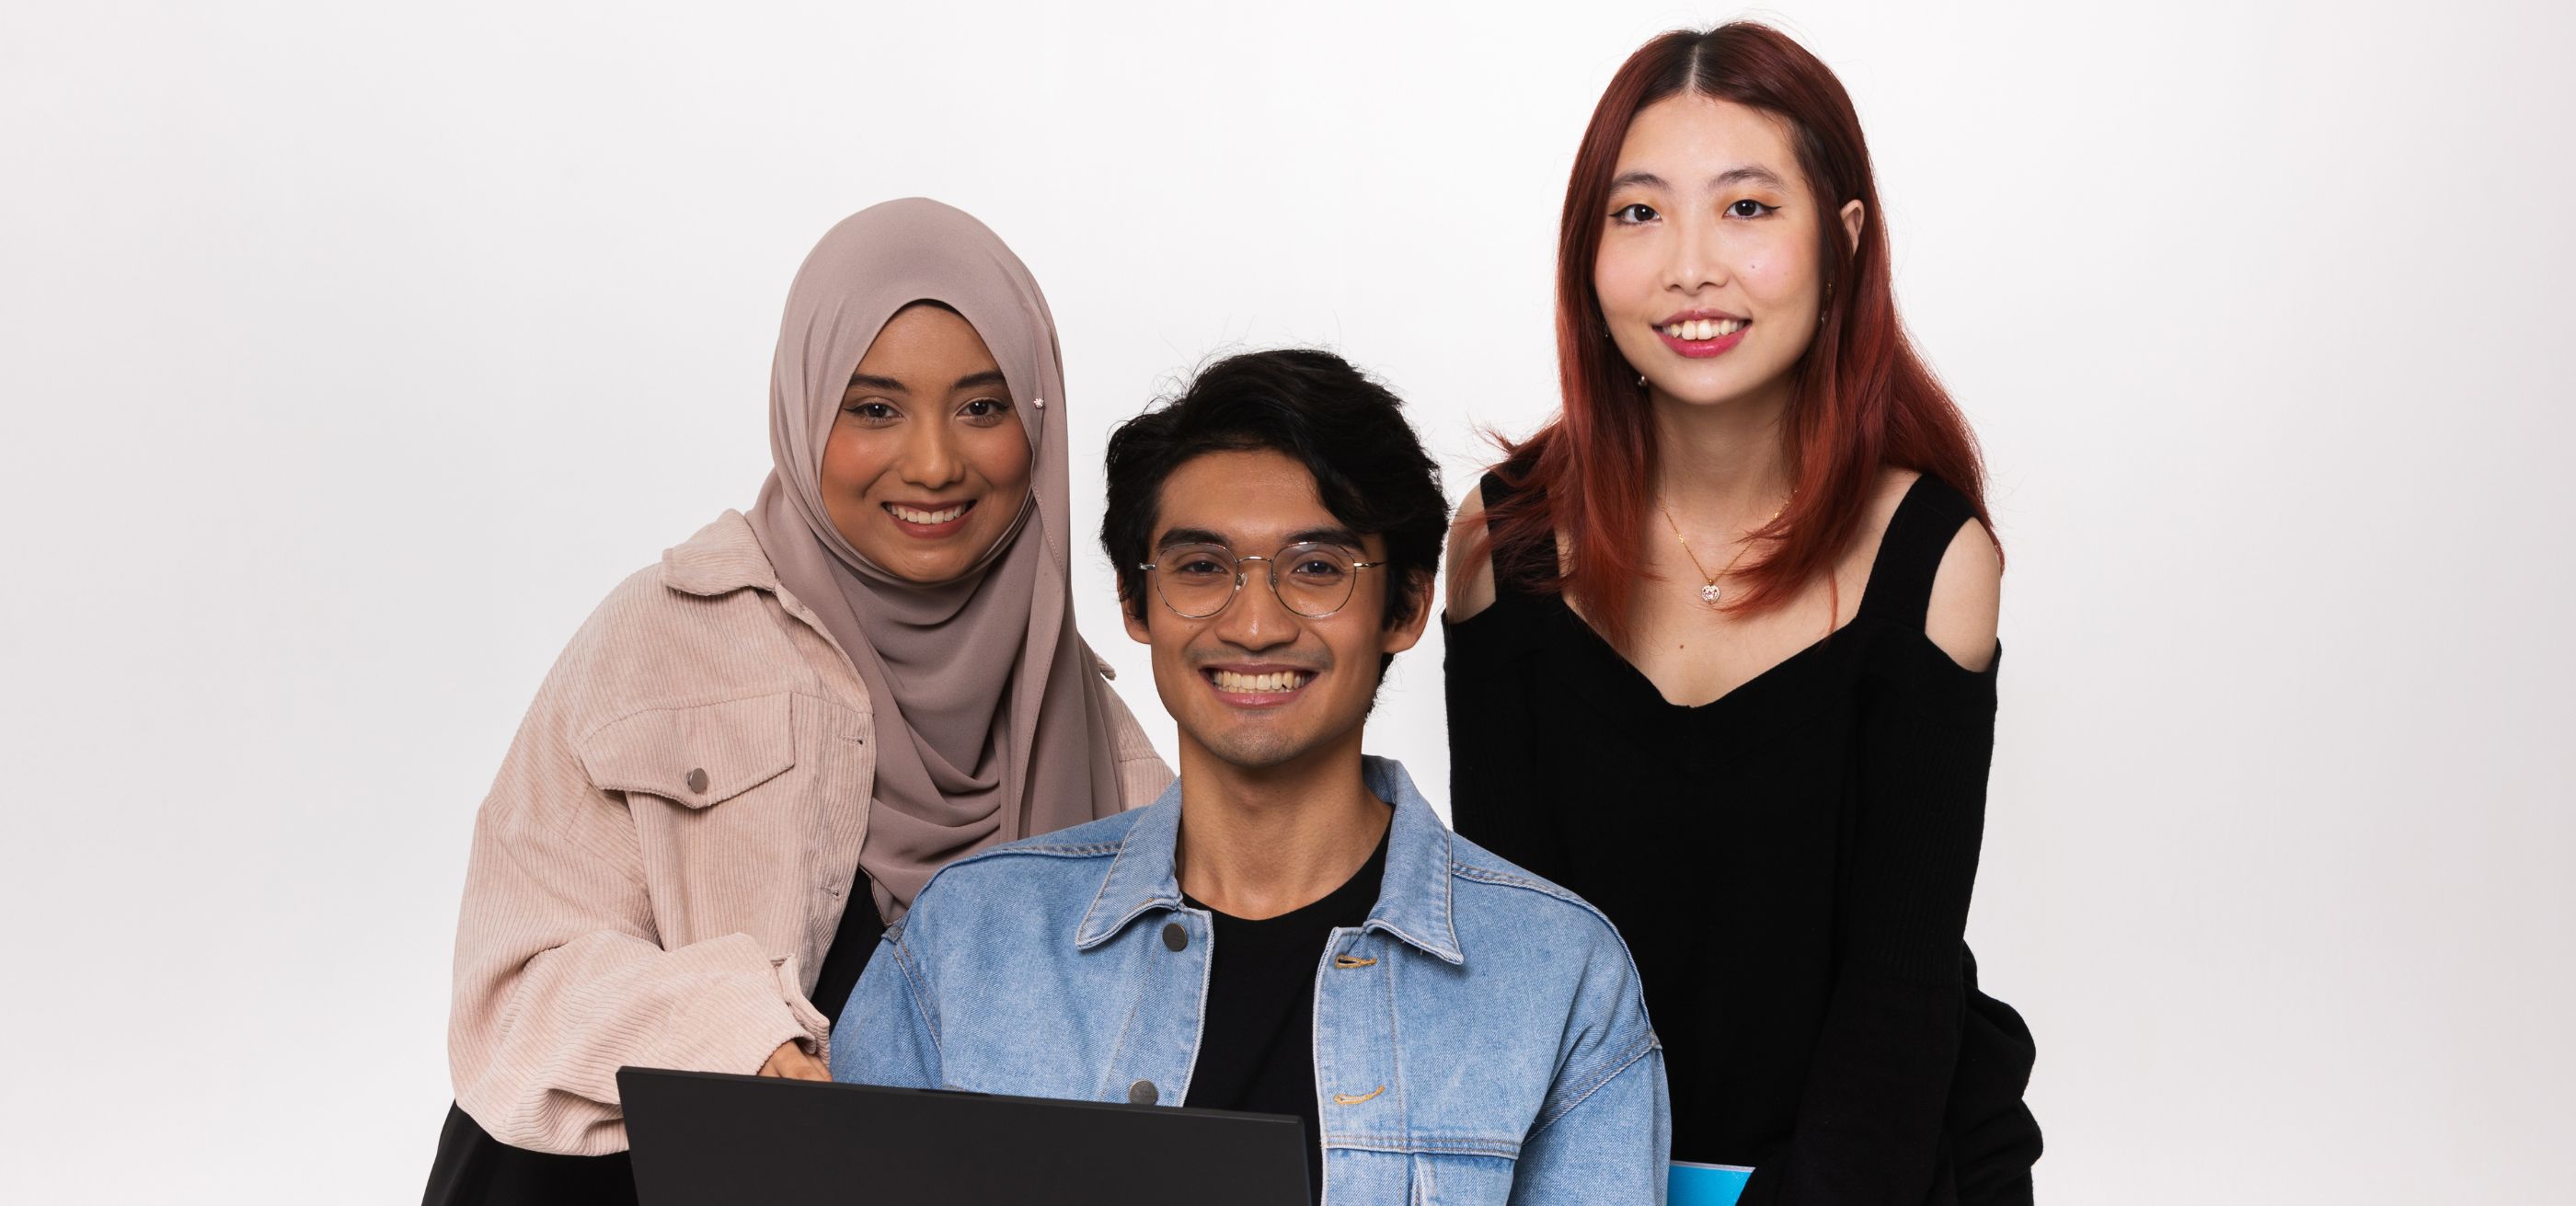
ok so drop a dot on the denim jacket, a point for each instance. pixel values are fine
(1481, 1039)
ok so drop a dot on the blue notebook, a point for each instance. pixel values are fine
(1705, 1184)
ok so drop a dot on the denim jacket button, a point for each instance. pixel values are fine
(1142, 1093)
(1174, 938)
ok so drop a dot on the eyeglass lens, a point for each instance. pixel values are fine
(1312, 580)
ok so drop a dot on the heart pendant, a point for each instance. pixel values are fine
(1708, 594)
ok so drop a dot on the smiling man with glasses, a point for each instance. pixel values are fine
(1290, 929)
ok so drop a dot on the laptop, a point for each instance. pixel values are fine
(708, 1137)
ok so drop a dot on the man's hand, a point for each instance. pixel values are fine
(790, 1061)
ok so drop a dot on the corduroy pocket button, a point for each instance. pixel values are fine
(695, 756)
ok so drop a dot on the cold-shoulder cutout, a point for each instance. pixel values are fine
(1967, 595)
(1471, 586)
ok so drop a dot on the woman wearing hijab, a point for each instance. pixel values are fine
(755, 752)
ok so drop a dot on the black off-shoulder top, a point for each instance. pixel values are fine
(1791, 865)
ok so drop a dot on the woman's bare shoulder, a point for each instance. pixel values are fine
(1967, 589)
(1967, 598)
(1471, 567)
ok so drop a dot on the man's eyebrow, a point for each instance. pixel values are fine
(1341, 536)
(1177, 537)
(1181, 536)
(989, 377)
(881, 384)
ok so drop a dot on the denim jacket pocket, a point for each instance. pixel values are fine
(1406, 1174)
(695, 756)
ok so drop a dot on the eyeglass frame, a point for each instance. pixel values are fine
(1270, 572)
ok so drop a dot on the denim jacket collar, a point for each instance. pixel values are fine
(1412, 904)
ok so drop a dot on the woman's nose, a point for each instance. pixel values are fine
(930, 457)
(1696, 259)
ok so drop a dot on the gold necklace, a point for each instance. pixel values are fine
(1709, 593)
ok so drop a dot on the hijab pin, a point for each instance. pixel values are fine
(1040, 403)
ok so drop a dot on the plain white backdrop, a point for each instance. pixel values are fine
(349, 355)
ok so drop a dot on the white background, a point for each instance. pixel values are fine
(347, 358)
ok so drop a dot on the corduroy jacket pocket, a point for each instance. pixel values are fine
(695, 756)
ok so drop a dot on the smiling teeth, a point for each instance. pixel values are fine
(1706, 328)
(1259, 684)
(908, 515)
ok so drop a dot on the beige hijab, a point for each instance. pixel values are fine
(990, 715)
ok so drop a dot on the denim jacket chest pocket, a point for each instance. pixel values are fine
(1415, 1107)
(768, 788)
(1124, 1028)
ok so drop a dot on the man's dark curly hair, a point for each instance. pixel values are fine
(1312, 407)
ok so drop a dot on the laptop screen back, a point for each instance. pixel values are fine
(710, 1137)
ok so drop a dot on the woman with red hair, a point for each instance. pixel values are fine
(1722, 642)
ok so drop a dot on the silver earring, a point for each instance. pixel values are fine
(1641, 381)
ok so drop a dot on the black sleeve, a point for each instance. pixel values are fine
(1870, 1123)
(1495, 794)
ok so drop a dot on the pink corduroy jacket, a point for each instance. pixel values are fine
(665, 853)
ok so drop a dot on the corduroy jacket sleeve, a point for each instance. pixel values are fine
(562, 975)
(663, 858)
(1142, 773)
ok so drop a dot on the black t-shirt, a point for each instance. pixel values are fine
(1257, 1042)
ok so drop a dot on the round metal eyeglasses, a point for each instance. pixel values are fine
(1198, 580)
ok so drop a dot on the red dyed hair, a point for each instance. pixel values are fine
(1863, 400)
